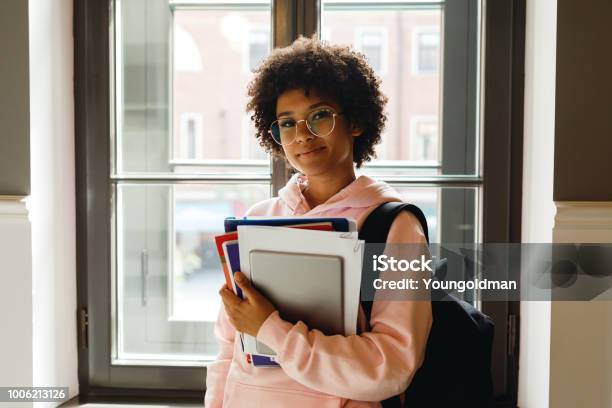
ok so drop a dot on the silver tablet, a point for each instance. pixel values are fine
(304, 287)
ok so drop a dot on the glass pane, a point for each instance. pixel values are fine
(415, 48)
(168, 270)
(181, 81)
(450, 211)
(407, 61)
(451, 214)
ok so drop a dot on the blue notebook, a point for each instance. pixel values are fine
(263, 361)
(338, 224)
(233, 257)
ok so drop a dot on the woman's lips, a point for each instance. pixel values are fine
(312, 153)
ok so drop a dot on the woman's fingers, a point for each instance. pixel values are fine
(248, 315)
(228, 297)
(251, 293)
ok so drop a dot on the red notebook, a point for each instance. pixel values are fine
(232, 236)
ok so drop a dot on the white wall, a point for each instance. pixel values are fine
(15, 294)
(608, 354)
(538, 205)
(52, 203)
(581, 332)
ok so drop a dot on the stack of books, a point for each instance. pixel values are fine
(309, 268)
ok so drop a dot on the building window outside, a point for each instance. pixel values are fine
(426, 50)
(424, 138)
(191, 136)
(250, 148)
(373, 43)
(258, 47)
(381, 148)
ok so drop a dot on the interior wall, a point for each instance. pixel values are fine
(15, 295)
(581, 365)
(538, 209)
(14, 103)
(583, 140)
(16, 360)
(581, 332)
(52, 204)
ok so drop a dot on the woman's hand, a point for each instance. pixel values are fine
(246, 315)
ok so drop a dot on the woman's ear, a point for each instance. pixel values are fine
(356, 131)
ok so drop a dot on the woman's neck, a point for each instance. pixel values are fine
(322, 188)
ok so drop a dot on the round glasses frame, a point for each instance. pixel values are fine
(334, 114)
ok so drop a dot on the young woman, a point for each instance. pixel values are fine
(320, 107)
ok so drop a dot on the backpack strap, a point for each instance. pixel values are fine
(375, 229)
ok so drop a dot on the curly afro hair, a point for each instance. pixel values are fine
(338, 71)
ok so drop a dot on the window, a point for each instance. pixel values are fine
(426, 50)
(373, 43)
(381, 148)
(181, 156)
(251, 150)
(325, 33)
(383, 35)
(179, 170)
(191, 136)
(258, 46)
(424, 139)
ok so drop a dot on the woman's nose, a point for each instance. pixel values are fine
(303, 134)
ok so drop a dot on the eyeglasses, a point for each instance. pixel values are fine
(320, 122)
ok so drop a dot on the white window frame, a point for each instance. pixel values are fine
(384, 50)
(97, 121)
(415, 47)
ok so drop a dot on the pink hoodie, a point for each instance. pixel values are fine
(318, 370)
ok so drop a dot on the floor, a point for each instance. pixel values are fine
(76, 403)
(130, 405)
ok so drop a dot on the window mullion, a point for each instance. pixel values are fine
(309, 17)
(284, 31)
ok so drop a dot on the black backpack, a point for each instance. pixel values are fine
(456, 371)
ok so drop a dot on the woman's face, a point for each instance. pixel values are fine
(309, 154)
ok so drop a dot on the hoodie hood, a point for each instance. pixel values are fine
(361, 193)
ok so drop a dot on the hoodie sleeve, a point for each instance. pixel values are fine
(225, 333)
(216, 373)
(371, 366)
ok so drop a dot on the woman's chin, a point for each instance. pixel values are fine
(315, 170)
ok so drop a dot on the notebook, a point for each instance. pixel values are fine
(227, 246)
(344, 245)
(232, 236)
(304, 287)
(232, 256)
(337, 224)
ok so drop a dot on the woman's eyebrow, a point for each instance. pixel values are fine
(316, 105)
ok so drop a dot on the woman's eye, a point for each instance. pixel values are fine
(286, 123)
(322, 114)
